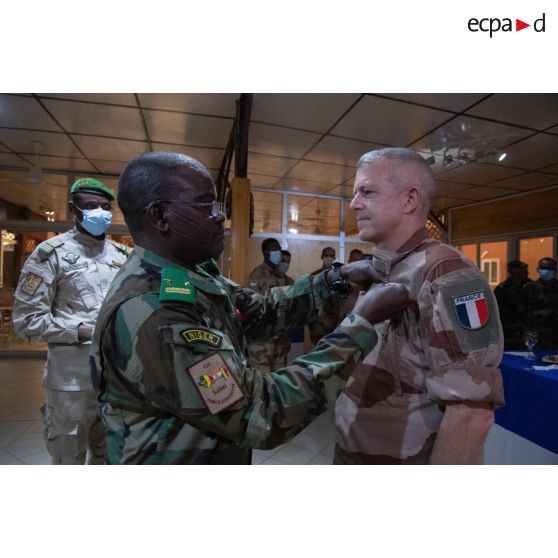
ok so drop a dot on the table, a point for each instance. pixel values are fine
(526, 429)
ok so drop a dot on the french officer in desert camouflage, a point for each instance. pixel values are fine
(170, 342)
(60, 291)
(427, 391)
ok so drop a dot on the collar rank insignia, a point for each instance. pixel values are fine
(71, 258)
(176, 286)
(471, 310)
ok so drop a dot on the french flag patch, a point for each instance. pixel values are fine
(472, 310)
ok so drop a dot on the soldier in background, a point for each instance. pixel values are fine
(269, 355)
(328, 314)
(170, 341)
(328, 257)
(427, 392)
(542, 304)
(60, 291)
(283, 267)
(333, 311)
(511, 298)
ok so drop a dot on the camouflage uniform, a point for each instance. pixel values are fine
(512, 300)
(168, 353)
(393, 404)
(542, 311)
(62, 285)
(271, 355)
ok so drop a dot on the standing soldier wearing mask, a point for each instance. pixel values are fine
(328, 257)
(269, 355)
(542, 304)
(510, 295)
(60, 291)
(328, 316)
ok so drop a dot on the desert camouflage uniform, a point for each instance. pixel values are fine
(62, 285)
(393, 404)
(512, 300)
(542, 311)
(270, 355)
(148, 350)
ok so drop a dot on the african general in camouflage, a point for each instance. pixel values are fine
(445, 348)
(168, 356)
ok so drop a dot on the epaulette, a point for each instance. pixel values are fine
(121, 247)
(176, 286)
(47, 248)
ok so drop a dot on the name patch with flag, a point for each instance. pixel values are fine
(215, 384)
(472, 310)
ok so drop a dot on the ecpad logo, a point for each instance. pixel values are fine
(493, 25)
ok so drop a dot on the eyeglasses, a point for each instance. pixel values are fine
(215, 207)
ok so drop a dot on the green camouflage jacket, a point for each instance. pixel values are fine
(168, 355)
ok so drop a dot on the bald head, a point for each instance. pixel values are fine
(151, 177)
(408, 169)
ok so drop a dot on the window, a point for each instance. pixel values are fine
(309, 215)
(491, 268)
(494, 261)
(469, 251)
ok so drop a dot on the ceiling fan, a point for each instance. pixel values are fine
(35, 175)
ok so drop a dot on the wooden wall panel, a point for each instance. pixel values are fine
(240, 229)
(525, 213)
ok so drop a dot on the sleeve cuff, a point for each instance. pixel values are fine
(360, 330)
(482, 384)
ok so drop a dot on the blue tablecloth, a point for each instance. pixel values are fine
(531, 409)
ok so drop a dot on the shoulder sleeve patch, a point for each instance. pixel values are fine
(215, 383)
(464, 307)
(31, 284)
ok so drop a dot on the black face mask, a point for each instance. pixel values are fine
(207, 236)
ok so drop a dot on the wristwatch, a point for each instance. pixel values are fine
(336, 281)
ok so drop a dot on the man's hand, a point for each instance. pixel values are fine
(84, 332)
(362, 274)
(382, 302)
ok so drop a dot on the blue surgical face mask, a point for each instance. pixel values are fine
(283, 267)
(328, 261)
(275, 257)
(546, 274)
(96, 221)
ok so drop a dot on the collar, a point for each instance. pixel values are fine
(273, 270)
(383, 260)
(87, 239)
(200, 278)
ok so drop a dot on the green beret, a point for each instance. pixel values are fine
(91, 186)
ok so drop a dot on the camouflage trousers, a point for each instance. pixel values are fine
(74, 433)
(268, 356)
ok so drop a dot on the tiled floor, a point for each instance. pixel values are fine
(21, 439)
